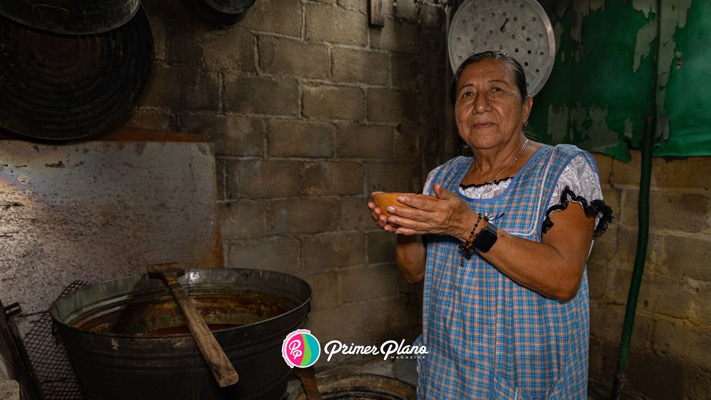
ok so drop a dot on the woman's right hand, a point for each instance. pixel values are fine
(379, 218)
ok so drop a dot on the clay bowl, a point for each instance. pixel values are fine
(385, 199)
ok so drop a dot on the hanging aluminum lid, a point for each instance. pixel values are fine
(519, 28)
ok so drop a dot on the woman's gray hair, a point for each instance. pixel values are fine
(510, 62)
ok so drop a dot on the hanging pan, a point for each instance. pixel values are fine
(520, 28)
(59, 87)
(220, 12)
(71, 17)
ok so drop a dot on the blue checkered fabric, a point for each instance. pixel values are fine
(487, 336)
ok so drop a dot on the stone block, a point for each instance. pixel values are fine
(324, 287)
(159, 38)
(681, 341)
(397, 36)
(604, 167)
(326, 23)
(295, 216)
(261, 95)
(381, 247)
(333, 250)
(10, 390)
(698, 384)
(392, 177)
(624, 258)
(355, 214)
(389, 314)
(243, 219)
(688, 256)
(627, 174)
(365, 141)
(282, 17)
(250, 179)
(606, 323)
(182, 89)
(597, 280)
(232, 48)
(701, 308)
(291, 57)
(432, 16)
(151, 119)
(655, 377)
(275, 254)
(344, 323)
(390, 106)
(233, 135)
(605, 247)
(221, 168)
(368, 282)
(333, 178)
(357, 5)
(298, 138)
(413, 141)
(679, 212)
(406, 70)
(689, 173)
(407, 10)
(360, 66)
(333, 102)
(665, 296)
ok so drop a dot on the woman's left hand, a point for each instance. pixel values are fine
(448, 215)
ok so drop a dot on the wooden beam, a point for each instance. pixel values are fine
(376, 16)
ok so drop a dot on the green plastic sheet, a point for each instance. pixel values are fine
(619, 62)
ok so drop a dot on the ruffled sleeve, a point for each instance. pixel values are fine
(580, 184)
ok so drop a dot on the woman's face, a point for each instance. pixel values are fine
(489, 110)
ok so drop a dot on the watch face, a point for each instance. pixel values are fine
(485, 240)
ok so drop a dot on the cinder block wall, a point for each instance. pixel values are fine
(669, 356)
(310, 110)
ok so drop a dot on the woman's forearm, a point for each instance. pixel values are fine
(410, 256)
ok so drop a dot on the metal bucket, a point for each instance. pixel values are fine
(125, 338)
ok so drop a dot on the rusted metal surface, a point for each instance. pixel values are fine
(101, 210)
(59, 87)
(108, 330)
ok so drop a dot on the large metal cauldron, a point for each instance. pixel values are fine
(126, 338)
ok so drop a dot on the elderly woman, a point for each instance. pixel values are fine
(502, 250)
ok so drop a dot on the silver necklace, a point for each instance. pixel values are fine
(525, 143)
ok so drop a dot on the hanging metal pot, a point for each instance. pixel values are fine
(71, 17)
(220, 12)
(60, 87)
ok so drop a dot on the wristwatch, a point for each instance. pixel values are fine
(485, 239)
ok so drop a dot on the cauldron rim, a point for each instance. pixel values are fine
(159, 286)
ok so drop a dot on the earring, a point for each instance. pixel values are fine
(525, 124)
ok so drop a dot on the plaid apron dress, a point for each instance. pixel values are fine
(488, 337)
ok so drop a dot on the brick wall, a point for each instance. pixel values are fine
(309, 116)
(310, 110)
(669, 356)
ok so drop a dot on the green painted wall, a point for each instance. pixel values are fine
(606, 79)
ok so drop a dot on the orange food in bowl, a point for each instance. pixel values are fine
(385, 199)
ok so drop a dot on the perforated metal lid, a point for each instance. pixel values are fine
(519, 28)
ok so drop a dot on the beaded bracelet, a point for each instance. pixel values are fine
(466, 247)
